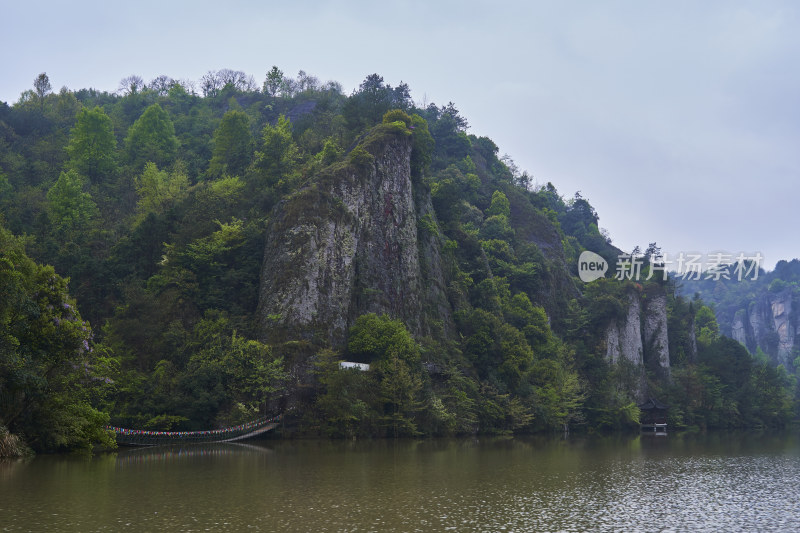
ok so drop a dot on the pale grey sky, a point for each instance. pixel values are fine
(679, 121)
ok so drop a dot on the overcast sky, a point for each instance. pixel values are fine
(679, 121)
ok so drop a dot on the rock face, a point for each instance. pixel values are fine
(624, 338)
(624, 346)
(640, 339)
(655, 330)
(781, 308)
(347, 245)
(768, 323)
(692, 342)
(738, 331)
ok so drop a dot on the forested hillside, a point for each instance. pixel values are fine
(228, 243)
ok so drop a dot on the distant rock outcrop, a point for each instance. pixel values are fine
(770, 323)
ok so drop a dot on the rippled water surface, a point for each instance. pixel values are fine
(720, 482)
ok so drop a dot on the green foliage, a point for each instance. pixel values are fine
(726, 387)
(374, 98)
(496, 227)
(221, 378)
(361, 158)
(748, 288)
(397, 127)
(499, 352)
(41, 86)
(448, 129)
(423, 145)
(578, 217)
(6, 190)
(706, 324)
(49, 385)
(216, 271)
(151, 139)
(274, 82)
(777, 285)
(346, 402)
(373, 336)
(449, 190)
(331, 152)
(218, 199)
(158, 190)
(460, 404)
(70, 208)
(400, 385)
(531, 320)
(607, 300)
(277, 158)
(209, 252)
(245, 371)
(92, 146)
(233, 145)
(500, 206)
(427, 224)
(397, 115)
(388, 345)
(559, 394)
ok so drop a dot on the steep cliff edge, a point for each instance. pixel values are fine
(759, 310)
(624, 338)
(640, 339)
(769, 323)
(656, 338)
(349, 244)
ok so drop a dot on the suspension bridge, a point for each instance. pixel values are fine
(143, 437)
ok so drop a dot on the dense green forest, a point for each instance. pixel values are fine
(153, 205)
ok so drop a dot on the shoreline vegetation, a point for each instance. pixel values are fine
(181, 257)
(12, 446)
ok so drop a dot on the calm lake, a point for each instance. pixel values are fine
(716, 482)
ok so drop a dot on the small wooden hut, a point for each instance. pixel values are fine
(654, 416)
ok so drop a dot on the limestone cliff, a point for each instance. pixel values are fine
(770, 323)
(624, 347)
(349, 244)
(655, 331)
(624, 338)
(692, 342)
(640, 339)
(760, 311)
